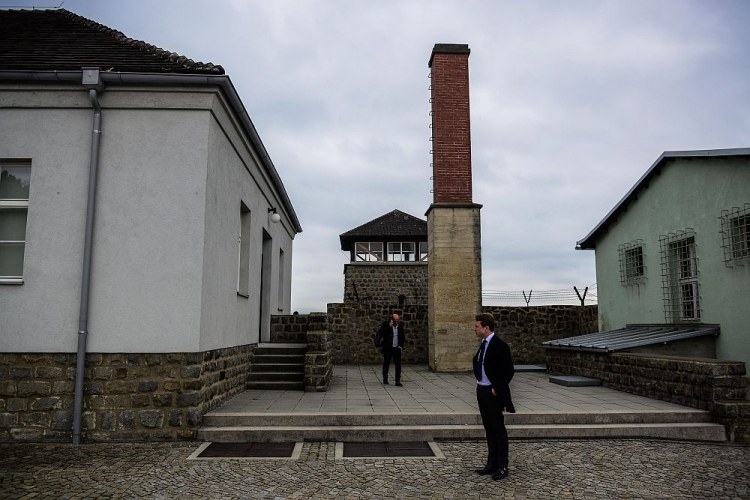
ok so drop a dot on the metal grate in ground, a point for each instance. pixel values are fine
(389, 450)
(289, 451)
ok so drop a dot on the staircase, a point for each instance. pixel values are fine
(688, 424)
(277, 366)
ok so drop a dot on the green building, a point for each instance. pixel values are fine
(676, 250)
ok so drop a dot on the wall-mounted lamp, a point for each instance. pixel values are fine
(274, 216)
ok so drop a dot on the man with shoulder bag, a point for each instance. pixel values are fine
(391, 333)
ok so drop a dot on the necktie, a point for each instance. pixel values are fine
(480, 360)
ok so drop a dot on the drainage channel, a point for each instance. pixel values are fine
(343, 451)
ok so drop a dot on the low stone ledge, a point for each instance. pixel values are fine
(707, 384)
(127, 396)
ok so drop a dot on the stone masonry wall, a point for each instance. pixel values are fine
(525, 328)
(353, 327)
(319, 356)
(127, 397)
(382, 283)
(708, 384)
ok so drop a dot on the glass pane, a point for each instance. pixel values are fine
(407, 247)
(377, 246)
(13, 224)
(394, 247)
(14, 182)
(11, 259)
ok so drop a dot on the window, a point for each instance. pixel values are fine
(401, 252)
(280, 302)
(680, 277)
(15, 179)
(632, 268)
(368, 252)
(423, 251)
(735, 235)
(243, 265)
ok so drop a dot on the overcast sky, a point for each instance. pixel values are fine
(571, 102)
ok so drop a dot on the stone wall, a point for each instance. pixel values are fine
(353, 327)
(525, 328)
(127, 397)
(708, 384)
(319, 356)
(383, 283)
(292, 327)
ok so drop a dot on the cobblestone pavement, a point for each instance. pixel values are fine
(574, 469)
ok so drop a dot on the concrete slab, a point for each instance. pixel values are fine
(574, 381)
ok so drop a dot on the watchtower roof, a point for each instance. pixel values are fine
(392, 226)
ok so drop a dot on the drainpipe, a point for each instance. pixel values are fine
(93, 83)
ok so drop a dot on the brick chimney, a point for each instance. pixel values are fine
(451, 132)
(454, 242)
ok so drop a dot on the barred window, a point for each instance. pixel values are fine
(735, 235)
(680, 276)
(632, 267)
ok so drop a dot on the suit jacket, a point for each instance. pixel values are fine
(498, 365)
(386, 330)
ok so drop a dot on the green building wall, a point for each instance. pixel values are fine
(687, 194)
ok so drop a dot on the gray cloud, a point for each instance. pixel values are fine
(571, 103)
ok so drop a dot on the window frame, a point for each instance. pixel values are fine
(680, 277)
(401, 252)
(368, 251)
(16, 204)
(632, 263)
(735, 235)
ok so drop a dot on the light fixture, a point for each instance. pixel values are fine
(275, 217)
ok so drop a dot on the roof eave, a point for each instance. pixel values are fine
(589, 241)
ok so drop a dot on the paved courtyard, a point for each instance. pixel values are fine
(358, 388)
(576, 469)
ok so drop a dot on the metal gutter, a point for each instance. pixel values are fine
(222, 81)
(587, 242)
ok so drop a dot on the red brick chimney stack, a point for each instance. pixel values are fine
(451, 133)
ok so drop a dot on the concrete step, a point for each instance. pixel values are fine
(297, 359)
(217, 418)
(298, 376)
(690, 431)
(286, 348)
(275, 385)
(277, 367)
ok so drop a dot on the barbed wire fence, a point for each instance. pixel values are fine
(560, 296)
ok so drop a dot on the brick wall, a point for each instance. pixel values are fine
(451, 135)
(383, 283)
(127, 397)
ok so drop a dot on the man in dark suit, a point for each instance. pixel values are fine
(493, 369)
(392, 333)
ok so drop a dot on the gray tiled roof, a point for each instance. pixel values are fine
(631, 336)
(392, 224)
(57, 39)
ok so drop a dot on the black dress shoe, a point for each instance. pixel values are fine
(399, 384)
(487, 470)
(500, 474)
(385, 382)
